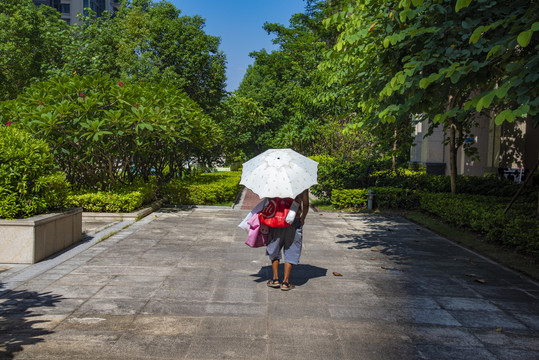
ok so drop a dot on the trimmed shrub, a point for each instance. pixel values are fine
(203, 189)
(384, 198)
(416, 180)
(349, 198)
(343, 174)
(125, 199)
(518, 229)
(29, 183)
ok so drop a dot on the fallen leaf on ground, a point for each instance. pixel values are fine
(383, 267)
(375, 250)
(480, 281)
(373, 258)
(337, 274)
(499, 329)
(469, 275)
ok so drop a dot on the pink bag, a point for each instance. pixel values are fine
(258, 233)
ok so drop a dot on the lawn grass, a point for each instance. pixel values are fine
(505, 256)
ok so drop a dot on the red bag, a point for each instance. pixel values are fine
(275, 212)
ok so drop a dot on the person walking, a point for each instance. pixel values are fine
(289, 241)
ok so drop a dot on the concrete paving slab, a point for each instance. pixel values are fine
(181, 284)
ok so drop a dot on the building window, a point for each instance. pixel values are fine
(65, 9)
(85, 3)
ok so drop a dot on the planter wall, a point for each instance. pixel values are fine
(27, 241)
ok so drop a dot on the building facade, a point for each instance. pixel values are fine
(510, 150)
(70, 9)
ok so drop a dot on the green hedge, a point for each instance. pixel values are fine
(203, 189)
(518, 229)
(385, 198)
(29, 183)
(417, 180)
(336, 173)
(127, 199)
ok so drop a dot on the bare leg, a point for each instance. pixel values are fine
(275, 268)
(287, 271)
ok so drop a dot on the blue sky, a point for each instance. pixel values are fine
(239, 24)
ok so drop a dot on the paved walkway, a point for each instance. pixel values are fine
(180, 284)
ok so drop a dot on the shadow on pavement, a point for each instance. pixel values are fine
(301, 273)
(17, 328)
(379, 237)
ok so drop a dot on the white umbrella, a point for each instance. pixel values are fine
(279, 173)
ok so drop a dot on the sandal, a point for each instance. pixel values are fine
(274, 283)
(286, 286)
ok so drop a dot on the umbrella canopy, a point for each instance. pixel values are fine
(279, 173)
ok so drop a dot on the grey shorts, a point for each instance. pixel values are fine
(288, 239)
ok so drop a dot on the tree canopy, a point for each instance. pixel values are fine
(142, 41)
(287, 83)
(442, 62)
(30, 41)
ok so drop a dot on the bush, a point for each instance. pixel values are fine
(203, 189)
(518, 228)
(342, 174)
(384, 198)
(105, 132)
(123, 199)
(416, 180)
(29, 183)
(349, 198)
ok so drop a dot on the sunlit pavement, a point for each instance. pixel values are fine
(181, 284)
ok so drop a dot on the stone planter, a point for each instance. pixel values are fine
(27, 241)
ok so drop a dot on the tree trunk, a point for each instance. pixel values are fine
(393, 156)
(453, 156)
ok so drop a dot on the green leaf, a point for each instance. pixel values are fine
(524, 38)
(485, 101)
(501, 92)
(535, 26)
(493, 51)
(531, 78)
(477, 34)
(461, 4)
(417, 3)
(504, 115)
(522, 111)
(455, 77)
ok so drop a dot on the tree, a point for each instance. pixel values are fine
(31, 38)
(104, 132)
(147, 41)
(285, 83)
(424, 57)
(242, 121)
